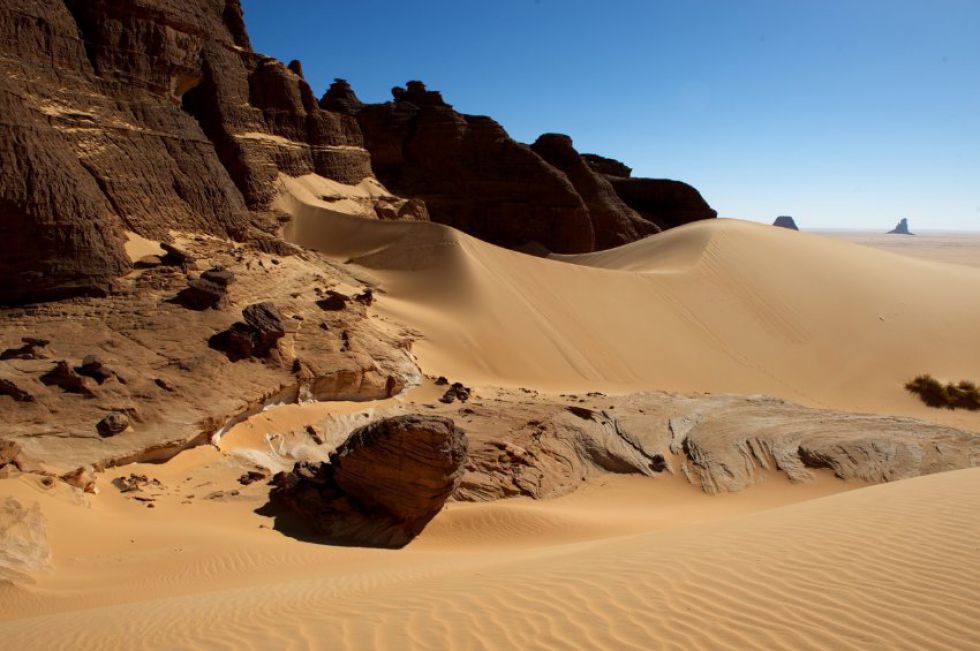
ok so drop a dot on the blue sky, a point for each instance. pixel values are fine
(844, 114)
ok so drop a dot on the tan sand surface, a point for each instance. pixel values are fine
(957, 248)
(715, 306)
(624, 563)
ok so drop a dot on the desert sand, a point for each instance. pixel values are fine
(623, 562)
(713, 306)
(957, 248)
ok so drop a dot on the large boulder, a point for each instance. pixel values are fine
(382, 485)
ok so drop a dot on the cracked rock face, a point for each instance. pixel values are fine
(382, 485)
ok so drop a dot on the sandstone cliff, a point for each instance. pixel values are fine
(147, 116)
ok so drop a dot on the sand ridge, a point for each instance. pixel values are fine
(718, 306)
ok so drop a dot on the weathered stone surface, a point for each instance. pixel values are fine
(541, 447)
(178, 391)
(613, 222)
(901, 229)
(23, 541)
(381, 486)
(785, 221)
(471, 174)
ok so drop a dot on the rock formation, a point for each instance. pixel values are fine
(785, 221)
(147, 116)
(471, 174)
(613, 222)
(381, 486)
(663, 202)
(902, 228)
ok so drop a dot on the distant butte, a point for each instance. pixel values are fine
(785, 221)
(901, 229)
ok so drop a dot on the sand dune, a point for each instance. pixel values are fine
(717, 306)
(625, 562)
(891, 566)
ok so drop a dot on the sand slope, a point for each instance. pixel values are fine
(718, 306)
(890, 566)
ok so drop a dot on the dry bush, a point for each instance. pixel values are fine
(961, 395)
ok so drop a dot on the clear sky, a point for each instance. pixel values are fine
(842, 113)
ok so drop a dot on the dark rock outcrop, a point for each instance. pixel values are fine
(256, 337)
(471, 174)
(901, 229)
(613, 222)
(340, 98)
(785, 221)
(666, 203)
(663, 202)
(381, 486)
(607, 166)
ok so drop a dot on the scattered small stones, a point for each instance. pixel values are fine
(219, 276)
(114, 423)
(456, 392)
(334, 301)
(201, 294)
(63, 376)
(257, 337)
(27, 351)
(316, 434)
(366, 297)
(93, 367)
(441, 381)
(135, 483)
(174, 256)
(254, 475)
(82, 478)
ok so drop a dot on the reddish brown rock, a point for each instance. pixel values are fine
(381, 486)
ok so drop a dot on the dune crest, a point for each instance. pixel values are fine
(719, 306)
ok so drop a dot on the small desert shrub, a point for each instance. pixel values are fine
(962, 395)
